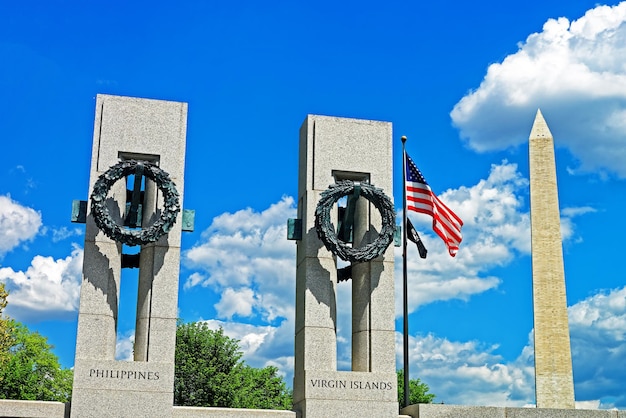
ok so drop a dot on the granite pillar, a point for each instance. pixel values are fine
(333, 149)
(155, 131)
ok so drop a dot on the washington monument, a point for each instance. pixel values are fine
(553, 361)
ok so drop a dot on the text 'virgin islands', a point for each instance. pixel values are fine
(350, 384)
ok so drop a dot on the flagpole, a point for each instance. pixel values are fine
(405, 325)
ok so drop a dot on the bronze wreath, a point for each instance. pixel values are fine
(326, 231)
(118, 233)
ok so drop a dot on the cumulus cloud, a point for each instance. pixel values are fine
(59, 234)
(48, 289)
(598, 336)
(262, 345)
(568, 227)
(247, 258)
(236, 302)
(576, 73)
(18, 224)
(250, 337)
(472, 373)
(125, 346)
(496, 230)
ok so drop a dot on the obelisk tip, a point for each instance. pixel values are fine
(540, 127)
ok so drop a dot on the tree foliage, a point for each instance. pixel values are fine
(5, 331)
(210, 372)
(3, 298)
(418, 391)
(28, 368)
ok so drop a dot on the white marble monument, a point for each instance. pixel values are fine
(554, 380)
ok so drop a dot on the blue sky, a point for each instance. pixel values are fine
(462, 80)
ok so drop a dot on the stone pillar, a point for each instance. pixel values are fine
(361, 290)
(151, 130)
(553, 361)
(333, 149)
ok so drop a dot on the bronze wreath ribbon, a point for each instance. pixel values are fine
(118, 233)
(326, 231)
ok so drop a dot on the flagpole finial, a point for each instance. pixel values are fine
(403, 139)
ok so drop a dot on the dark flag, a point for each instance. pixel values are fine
(412, 235)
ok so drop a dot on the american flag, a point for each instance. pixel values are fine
(420, 198)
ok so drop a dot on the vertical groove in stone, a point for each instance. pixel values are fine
(553, 361)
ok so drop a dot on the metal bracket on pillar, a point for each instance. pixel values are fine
(79, 211)
(344, 274)
(130, 261)
(294, 229)
(189, 220)
(79, 215)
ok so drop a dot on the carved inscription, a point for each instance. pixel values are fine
(350, 384)
(123, 374)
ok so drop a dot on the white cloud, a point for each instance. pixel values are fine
(246, 260)
(598, 333)
(576, 73)
(594, 404)
(250, 337)
(469, 373)
(236, 302)
(243, 251)
(17, 224)
(571, 212)
(493, 214)
(496, 230)
(48, 289)
(568, 228)
(125, 346)
(262, 345)
(472, 373)
(59, 234)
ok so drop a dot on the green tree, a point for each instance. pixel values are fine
(418, 391)
(5, 330)
(210, 372)
(3, 298)
(30, 370)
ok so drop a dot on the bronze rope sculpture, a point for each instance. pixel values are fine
(118, 233)
(326, 231)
